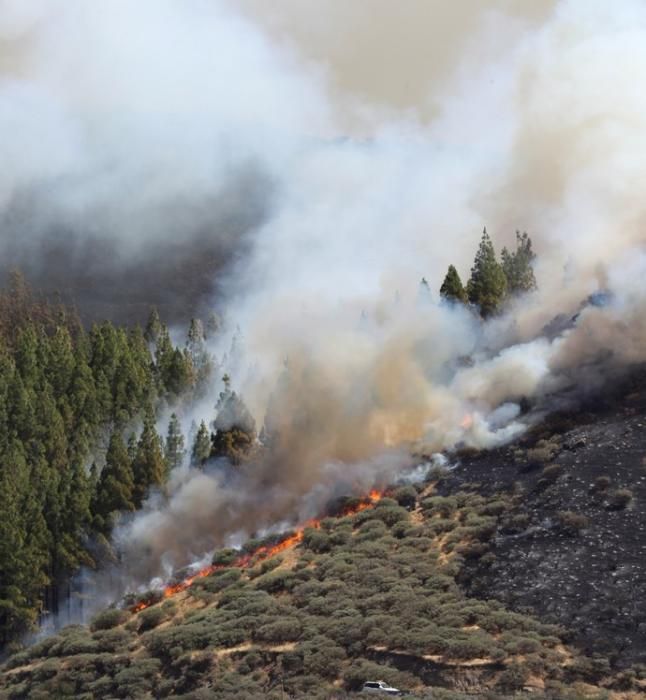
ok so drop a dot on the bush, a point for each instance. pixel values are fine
(316, 540)
(551, 473)
(571, 523)
(285, 630)
(391, 514)
(225, 557)
(406, 496)
(108, 619)
(150, 618)
(619, 499)
(217, 581)
(600, 484)
(276, 581)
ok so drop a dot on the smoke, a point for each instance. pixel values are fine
(152, 128)
(134, 158)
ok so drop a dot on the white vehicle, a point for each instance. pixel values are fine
(380, 688)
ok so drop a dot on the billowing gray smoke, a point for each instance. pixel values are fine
(141, 145)
(183, 111)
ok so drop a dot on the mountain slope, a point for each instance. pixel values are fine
(374, 594)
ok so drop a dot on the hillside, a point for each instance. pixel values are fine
(517, 572)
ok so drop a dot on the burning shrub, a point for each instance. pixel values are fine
(217, 581)
(225, 557)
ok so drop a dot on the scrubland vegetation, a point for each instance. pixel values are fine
(364, 596)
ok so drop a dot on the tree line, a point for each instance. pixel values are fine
(493, 282)
(78, 438)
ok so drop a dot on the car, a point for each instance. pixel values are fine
(380, 688)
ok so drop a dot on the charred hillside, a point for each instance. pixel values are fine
(517, 573)
(572, 549)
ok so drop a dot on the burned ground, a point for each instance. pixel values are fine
(573, 550)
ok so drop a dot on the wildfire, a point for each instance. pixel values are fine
(263, 552)
(466, 422)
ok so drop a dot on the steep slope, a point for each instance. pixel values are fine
(373, 594)
(574, 551)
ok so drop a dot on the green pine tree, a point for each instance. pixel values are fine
(235, 427)
(149, 466)
(201, 446)
(452, 289)
(518, 266)
(487, 286)
(174, 448)
(115, 490)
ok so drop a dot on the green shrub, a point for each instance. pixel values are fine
(217, 581)
(390, 515)
(316, 540)
(284, 630)
(112, 640)
(276, 581)
(150, 618)
(225, 557)
(406, 496)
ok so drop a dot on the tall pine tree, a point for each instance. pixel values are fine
(452, 289)
(174, 448)
(487, 286)
(518, 266)
(149, 466)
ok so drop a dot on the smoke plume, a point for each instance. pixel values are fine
(155, 131)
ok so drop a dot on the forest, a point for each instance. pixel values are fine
(79, 419)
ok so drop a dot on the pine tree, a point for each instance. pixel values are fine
(201, 446)
(452, 289)
(518, 266)
(488, 284)
(174, 449)
(153, 327)
(213, 325)
(149, 467)
(115, 491)
(235, 427)
(424, 295)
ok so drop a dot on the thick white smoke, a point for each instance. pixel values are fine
(141, 121)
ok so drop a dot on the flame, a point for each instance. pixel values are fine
(263, 552)
(466, 422)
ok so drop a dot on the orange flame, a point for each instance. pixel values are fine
(466, 422)
(263, 552)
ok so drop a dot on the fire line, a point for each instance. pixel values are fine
(260, 554)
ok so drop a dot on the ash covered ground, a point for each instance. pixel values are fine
(574, 551)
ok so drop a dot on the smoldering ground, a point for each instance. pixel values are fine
(540, 131)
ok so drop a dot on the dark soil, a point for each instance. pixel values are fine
(585, 573)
